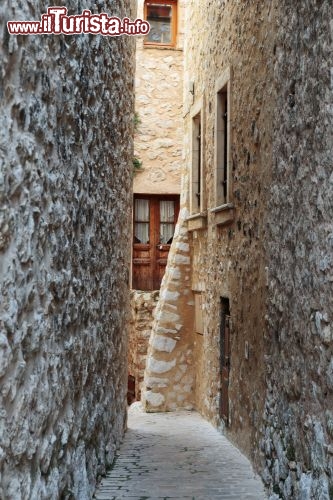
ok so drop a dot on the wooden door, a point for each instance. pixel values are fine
(224, 359)
(154, 224)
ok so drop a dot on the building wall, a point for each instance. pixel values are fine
(220, 256)
(159, 146)
(143, 305)
(65, 179)
(298, 418)
(169, 376)
(158, 104)
(271, 257)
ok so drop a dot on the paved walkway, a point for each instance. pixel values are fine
(177, 456)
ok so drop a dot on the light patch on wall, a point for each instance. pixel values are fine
(199, 328)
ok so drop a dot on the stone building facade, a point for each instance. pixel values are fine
(159, 148)
(243, 328)
(66, 155)
(158, 104)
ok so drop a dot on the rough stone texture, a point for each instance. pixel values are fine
(158, 103)
(299, 400)
(143, 305)
(169, 379)
(159, 145)
(225, 261)
(274, 259)
(66, 123)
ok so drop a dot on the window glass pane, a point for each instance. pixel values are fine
(141, 216)
(141, 210)
(166, 233)
(167, 211)
(141, 232)
(159, 17)
(167, 217)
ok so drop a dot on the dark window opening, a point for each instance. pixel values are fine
(222, 145)
(224, 358)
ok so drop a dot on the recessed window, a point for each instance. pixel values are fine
(197, 167)
(222, 142)
(222, 146)
(162, 17)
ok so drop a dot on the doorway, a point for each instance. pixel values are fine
(154, 224)
(224, 358)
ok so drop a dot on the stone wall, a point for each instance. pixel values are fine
(225, 260)
(65, 180)
(143, 305)
(298, 418)
(168, 378)
(272, 257)
(159, 146)
(158, 104)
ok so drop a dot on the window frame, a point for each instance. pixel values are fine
(174, 23)
(197, 176)
(222, 87)
(151, 256)
(154, 202)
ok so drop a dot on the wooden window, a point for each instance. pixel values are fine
(167, 221)
(162, 17)
(154, 224)
(141, 226)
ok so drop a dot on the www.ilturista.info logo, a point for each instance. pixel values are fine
(56, 22)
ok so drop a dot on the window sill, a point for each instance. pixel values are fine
(197, 221)
(224, 214)
(161, 47)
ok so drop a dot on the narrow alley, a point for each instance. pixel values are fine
(177, 455)
(166, 237)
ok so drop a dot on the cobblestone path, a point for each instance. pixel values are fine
(178, 456)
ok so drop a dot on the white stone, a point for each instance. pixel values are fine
(184, 247)
(166, 317)
(158, 366)
(163, 343)
(181, 259)
(167, 295)
(175, 273)
(162, 330)
(154, 399)
(156, 382)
